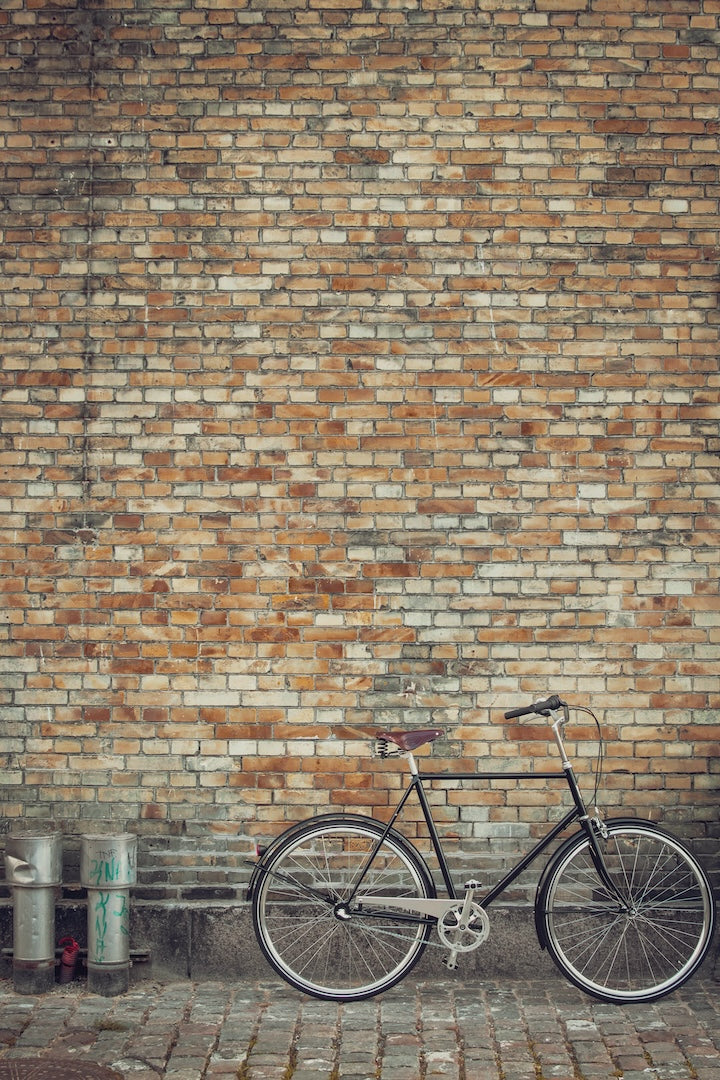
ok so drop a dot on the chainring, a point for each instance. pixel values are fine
(464, 938)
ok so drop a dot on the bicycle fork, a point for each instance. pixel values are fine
(595, 827)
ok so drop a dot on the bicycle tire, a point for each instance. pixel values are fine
(640, 947)
(316, 944)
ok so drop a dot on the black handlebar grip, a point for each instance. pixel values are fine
(511, 714)
(549, 705)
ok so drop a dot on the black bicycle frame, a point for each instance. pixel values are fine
(578, 813)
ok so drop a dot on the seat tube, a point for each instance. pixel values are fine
(434, 836)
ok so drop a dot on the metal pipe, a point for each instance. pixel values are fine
(33, 869)
(107, 870)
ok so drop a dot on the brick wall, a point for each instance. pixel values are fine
(360, 368)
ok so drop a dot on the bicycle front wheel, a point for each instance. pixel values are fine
(307, 924)
(637, 936)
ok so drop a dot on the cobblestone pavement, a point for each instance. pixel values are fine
(517, 1030)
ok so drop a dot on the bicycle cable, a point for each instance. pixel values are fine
(600, 760)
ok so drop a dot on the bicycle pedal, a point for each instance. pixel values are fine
(472, 884)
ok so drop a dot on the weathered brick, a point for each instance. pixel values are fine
(358, 368)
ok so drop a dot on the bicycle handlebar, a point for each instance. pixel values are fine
(540, 708)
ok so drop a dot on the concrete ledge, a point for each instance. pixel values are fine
(219, 940)
(205, 940)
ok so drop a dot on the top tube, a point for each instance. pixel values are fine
(557, 775)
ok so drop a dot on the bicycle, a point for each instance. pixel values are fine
(343, 905)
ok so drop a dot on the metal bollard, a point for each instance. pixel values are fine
(33, 868)
(107, 870)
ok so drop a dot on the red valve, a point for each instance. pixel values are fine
(69, 959)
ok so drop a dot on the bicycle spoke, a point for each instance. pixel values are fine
(313, 940)
(645, 946)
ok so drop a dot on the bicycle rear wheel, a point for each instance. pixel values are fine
(305, 921)
(640, 939)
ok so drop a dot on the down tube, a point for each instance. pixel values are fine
(526, 860)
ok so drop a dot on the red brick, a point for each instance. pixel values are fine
(347, 379)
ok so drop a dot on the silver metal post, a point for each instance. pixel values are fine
(33, 869)
(107, 870)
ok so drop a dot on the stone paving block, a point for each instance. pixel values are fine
(449, 1030)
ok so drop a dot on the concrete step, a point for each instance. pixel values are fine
(208, 940)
